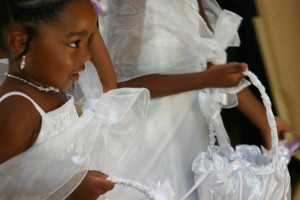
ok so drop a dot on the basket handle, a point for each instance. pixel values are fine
(134, 185)
(271, 121)
(270, 116)
(150, 193)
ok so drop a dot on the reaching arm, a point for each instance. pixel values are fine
(251, 107)
(101, 60)
(226, 75)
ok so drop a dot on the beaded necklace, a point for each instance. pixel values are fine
(46, 89)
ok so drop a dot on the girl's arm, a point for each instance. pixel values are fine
(251, 107)
(19, 128)
(101, 60)
(18, 131)
(226, 75)
(256, 113)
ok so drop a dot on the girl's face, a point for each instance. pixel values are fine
(59, 51)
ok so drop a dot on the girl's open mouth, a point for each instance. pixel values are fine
(74, 76)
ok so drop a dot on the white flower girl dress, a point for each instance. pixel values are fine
(167, 37)
(68, 145)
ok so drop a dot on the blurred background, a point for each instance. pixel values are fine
(2, 54)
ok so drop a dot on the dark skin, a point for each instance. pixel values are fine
(226, 75)
(70, 46)
(218, 76)
(101, 59)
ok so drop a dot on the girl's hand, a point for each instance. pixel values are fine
(227, 75)
(92, 186)
(282, 127)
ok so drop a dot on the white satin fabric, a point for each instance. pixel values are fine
(168, 37)
(246, 172)
(112, 123)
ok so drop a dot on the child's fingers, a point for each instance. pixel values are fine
(239, 76)
(103, 185)
(282, 126)
(101, 182)
(244, 66)
(238, 67)
(98, 174)
(106, 185)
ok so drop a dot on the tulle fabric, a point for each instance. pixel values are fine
(151, 36)
(167, 37)
(52, 168)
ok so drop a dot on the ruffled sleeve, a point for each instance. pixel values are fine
(123, 113)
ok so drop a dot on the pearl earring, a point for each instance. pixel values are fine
(22, 65)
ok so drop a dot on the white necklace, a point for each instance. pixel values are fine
(46, 89)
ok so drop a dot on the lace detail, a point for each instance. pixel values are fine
(61, 120)
(56, 120)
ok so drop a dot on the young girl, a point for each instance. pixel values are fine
(46, 151)
(167, 47)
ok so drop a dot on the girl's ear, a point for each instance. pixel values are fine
(17, 42)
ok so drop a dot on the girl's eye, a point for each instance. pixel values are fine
(74, 44)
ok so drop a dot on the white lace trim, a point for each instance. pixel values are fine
(61, 120)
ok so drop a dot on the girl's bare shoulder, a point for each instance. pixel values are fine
(19, 121)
